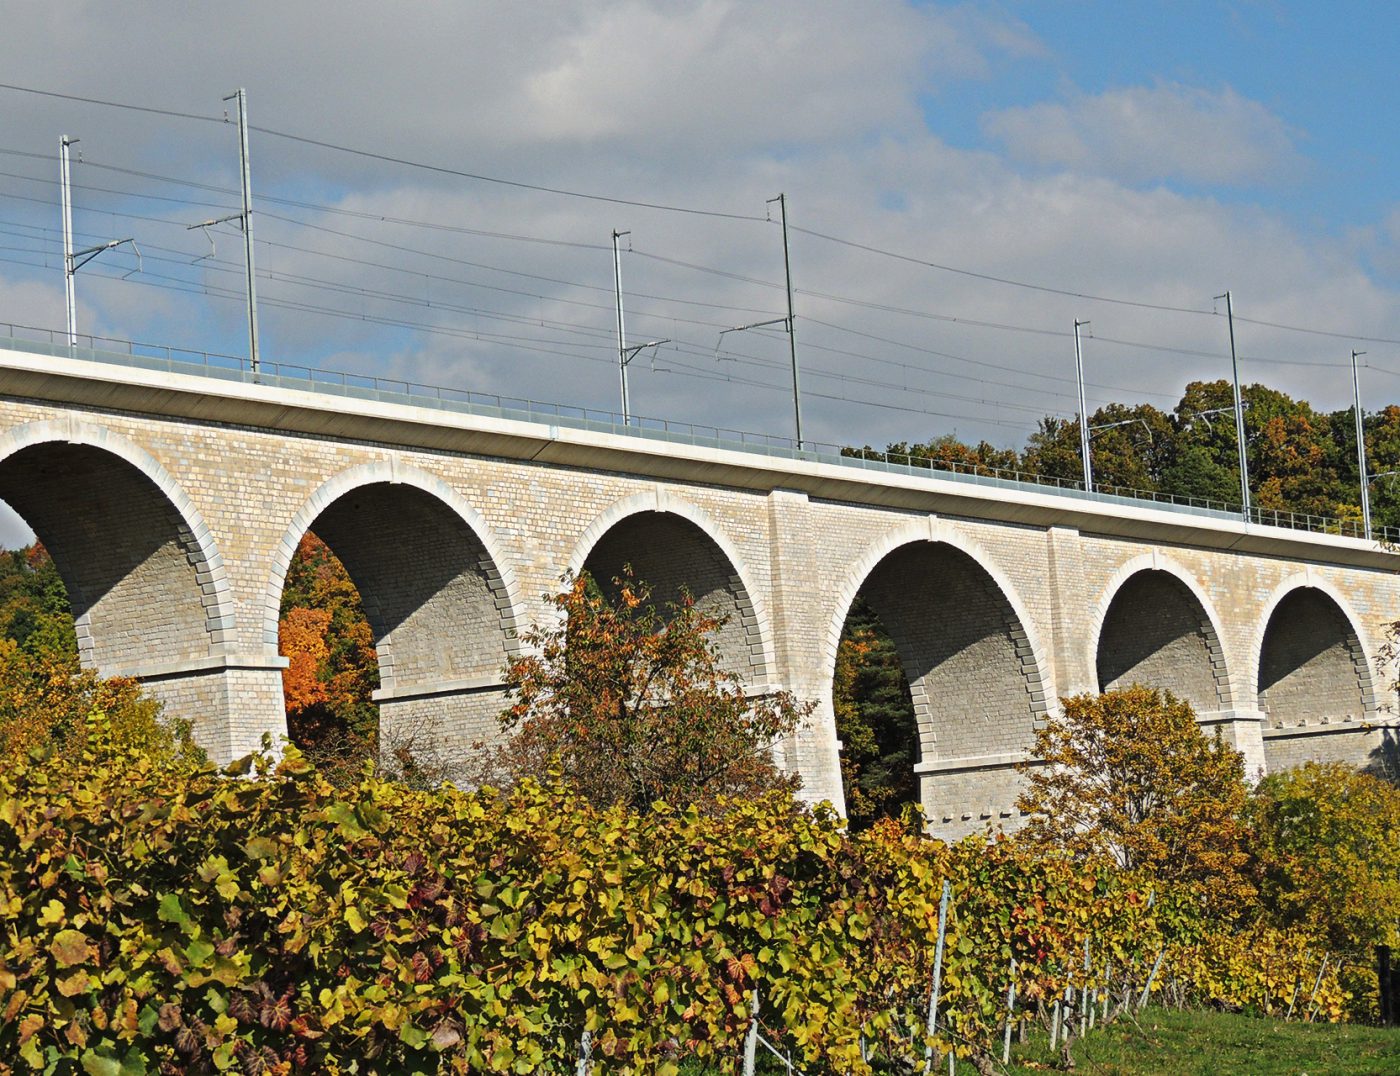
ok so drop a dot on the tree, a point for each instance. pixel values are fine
(333, 668)
(874, 720)
(628, 703)
(46, 698)
(1128, 445)
(46, 701)
(1129, 774)
(1328, 841)
(1204, 459)
(34, 609)
(1382, 457)
(1053, 451)
(1291, 453)
(949, 453)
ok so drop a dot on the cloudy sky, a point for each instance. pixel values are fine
(1127, 161)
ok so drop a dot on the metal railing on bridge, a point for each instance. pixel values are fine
(398, 390)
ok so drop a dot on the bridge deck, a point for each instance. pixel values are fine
(221, 389)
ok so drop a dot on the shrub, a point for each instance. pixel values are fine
(177, 919)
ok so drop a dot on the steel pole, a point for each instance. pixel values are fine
(792, 334)
(621, 334)
(66, 197)
(1239, 408)
(1361, 447)
(937, 986)
(1083, 412)
(253, 358)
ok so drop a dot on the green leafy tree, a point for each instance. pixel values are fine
(1328, 841)
(1052, 451)
(1203, 459)
(1127, 445)
(1297, 457)
(629, 704)
(874, 720)
(1130, 775)
(1382, 458)
(34, 609)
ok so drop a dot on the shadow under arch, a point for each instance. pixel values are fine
(670, 544)
(975, 670)
(441, 601)
(1154, 626)
(1313, 675)
(145, 580)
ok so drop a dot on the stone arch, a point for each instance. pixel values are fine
(931, 529)
(670, 542)
(1155, 626)
(975, 668)
(1310, 664)
(441, 599)
(147, 584)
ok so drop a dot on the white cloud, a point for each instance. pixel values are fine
(32, 302)
(724, 76)
(702, 103)
(463, 83)
(1140, 133)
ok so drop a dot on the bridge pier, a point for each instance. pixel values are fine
(440, 727)
(797, 609)
(231, 702)
(1244, 731)
(965, 795)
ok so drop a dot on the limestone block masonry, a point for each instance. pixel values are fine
(173, 503)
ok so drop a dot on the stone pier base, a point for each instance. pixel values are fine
(230, 700)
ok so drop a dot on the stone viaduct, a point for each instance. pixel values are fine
(172, 500)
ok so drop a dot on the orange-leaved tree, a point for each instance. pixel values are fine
(1130, 775)
(332, 665)
(629, 703)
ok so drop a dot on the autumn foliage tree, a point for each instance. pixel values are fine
(1328, 840)
(628, 702)
(46, 698)
(1130, 775)
(332, 665)
(46, 704)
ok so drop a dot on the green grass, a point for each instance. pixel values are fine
(1162, 1042)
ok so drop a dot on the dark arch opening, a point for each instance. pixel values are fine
(674, 556)
(1311, 667)
(438, 619)
(129, 561)
(973, 684)
(1156, 633)
(116, 581)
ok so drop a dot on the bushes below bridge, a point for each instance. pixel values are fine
(162, 916)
